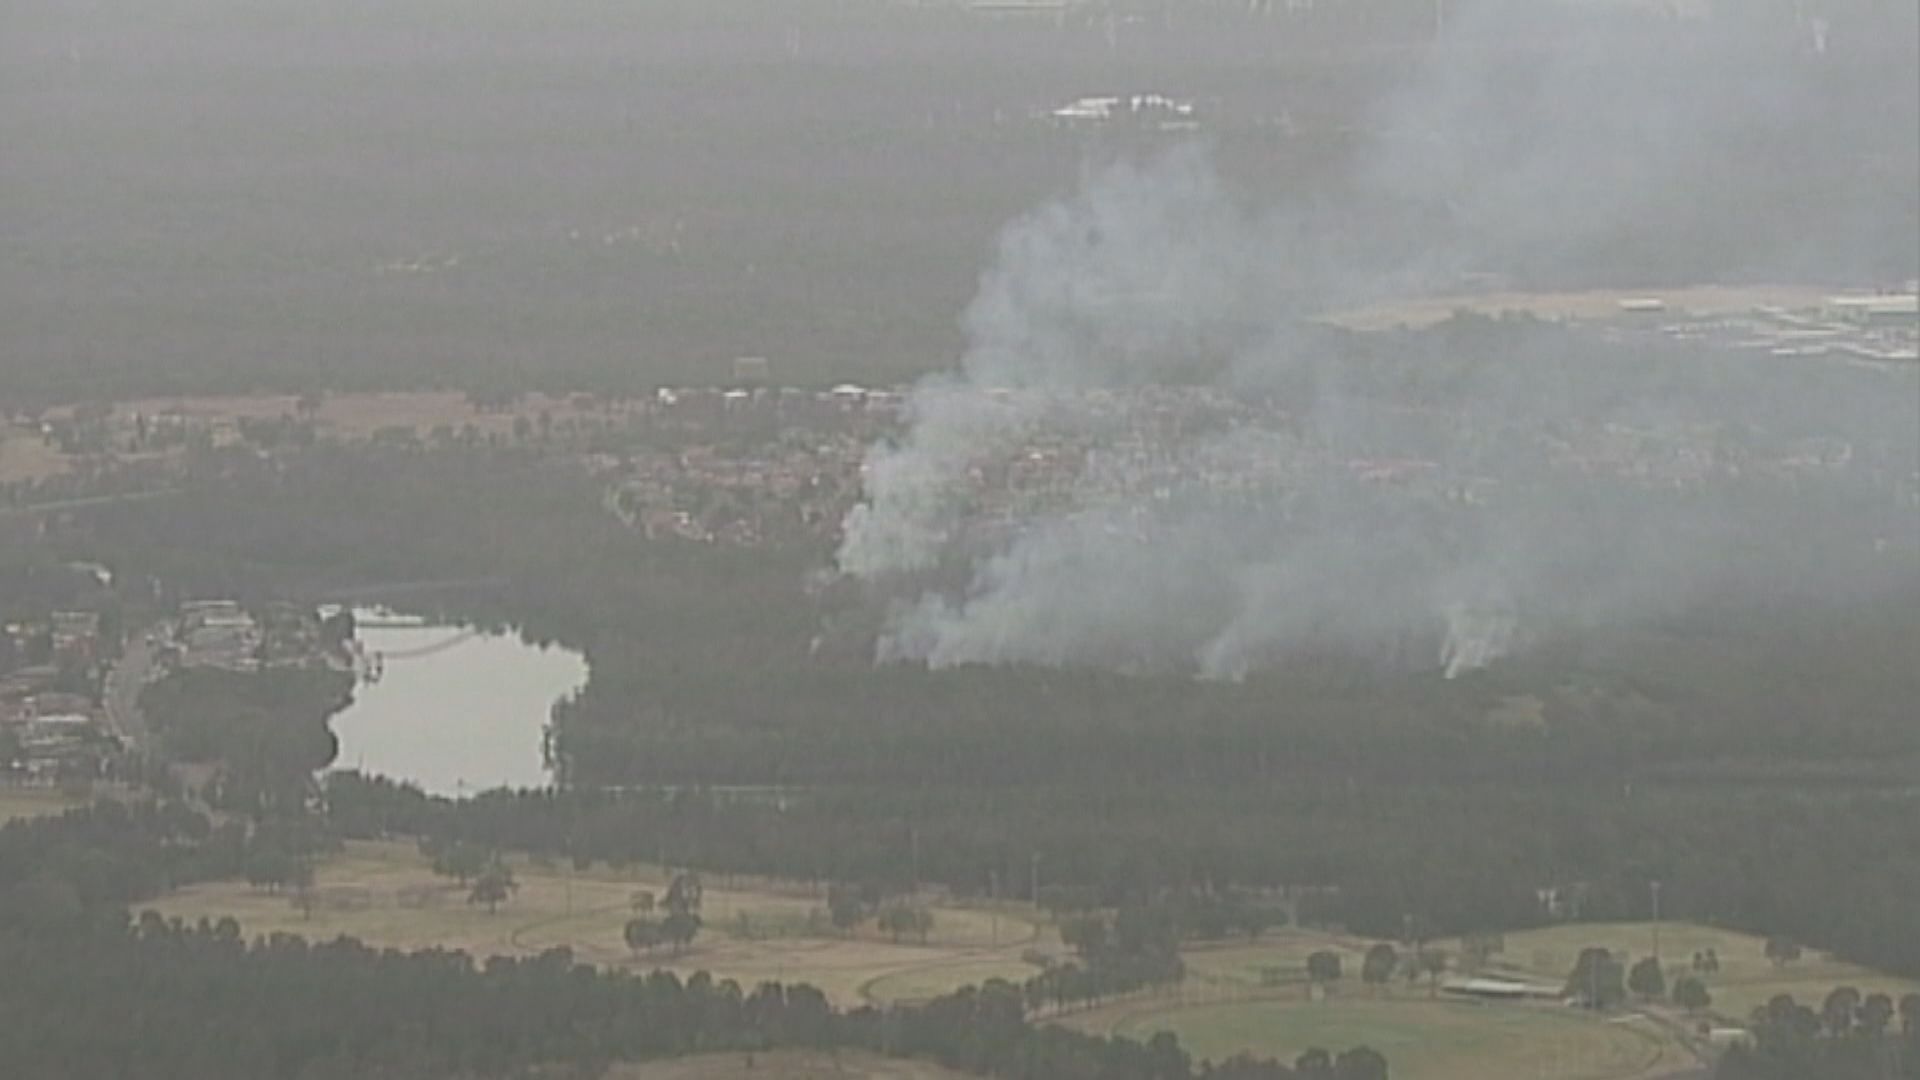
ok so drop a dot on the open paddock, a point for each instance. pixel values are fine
(1746, 978)
(23, 802)
(1422, 1039)
(783, 1065)
(387, 895)
(1705, 300)
(1278, 956)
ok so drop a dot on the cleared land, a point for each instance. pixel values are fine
(1746, 978)
(786, 1065)
(1279, 956)
(1424, 1040)
(1239, 997)
(31, 802)
(1584, 304)
(387, 895)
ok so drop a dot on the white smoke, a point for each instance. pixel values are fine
(1155, 272)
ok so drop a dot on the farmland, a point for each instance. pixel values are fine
(19, 802)
(386, 894)
(1426, 1040)
(794, 1065)
(1746, 978)
(1237, 997)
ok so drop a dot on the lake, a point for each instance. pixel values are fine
(453, 710)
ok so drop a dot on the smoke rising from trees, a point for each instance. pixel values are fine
(1565, 154)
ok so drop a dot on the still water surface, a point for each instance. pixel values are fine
(454, 711)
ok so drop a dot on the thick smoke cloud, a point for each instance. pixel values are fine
(1224, 547)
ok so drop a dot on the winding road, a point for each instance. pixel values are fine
(128, 677)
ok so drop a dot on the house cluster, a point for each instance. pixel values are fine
(51, 725)
(222, 634)
(751, 468)
(746, 467)
(1872, 328)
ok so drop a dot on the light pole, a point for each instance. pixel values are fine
(993, 903)
(1655, 886)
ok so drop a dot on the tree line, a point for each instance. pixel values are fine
(92, 994)
(1848, 1037)
(1833, 870)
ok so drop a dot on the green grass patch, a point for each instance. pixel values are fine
(1423, 1040)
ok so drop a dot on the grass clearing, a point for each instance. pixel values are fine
(1746, 978)
(387, 895)
(1422, 1039)
(23, 802)
(1281, 953)
(1421, 312)
(921, 983)
(783, 1065)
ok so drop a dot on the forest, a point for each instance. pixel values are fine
(1698, 750)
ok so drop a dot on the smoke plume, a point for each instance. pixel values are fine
(1145, 461)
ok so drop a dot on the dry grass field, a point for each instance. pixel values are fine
(1278, 954)
(784, 1065)
(360, 415)
(25, 456)
(1746, 978)
(19, 802)
(1422, 1039)
(1229, 1005)
(1586, 304)
(385, 894)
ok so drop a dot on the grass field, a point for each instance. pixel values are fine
(16, 802)
(1422, 1039)
(385, 894)
(1283, 953)
(1746, 978)
(784, 1065)
(1586, 304)
(757, 931)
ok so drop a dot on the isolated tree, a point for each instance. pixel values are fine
(1691, 994)
(679, 929)
(300, 880)
(1647, 980)
(1323, 968)
(642, 935)
(641, 901)
(1434, 963)
(1782, 951)
(899, 920)
(1084, 934)
(1360, 1063)
(684, 894)
(844, 906)
(1597, 980)
(462, 861)
(907, 919)
(1477, 949)
(493, 886)
(1875, 1014)
(269, 867)
(1909, 1014)
(894, 921)
(1838, 1010)
(1379, 964)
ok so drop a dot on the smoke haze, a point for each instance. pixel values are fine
(1433, 513)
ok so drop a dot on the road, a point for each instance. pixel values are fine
(128, 677)
(85, 502)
